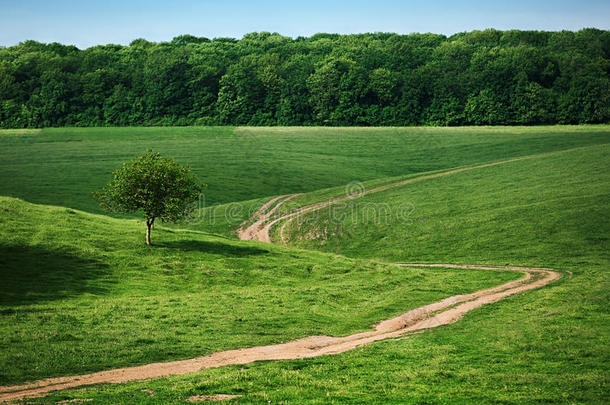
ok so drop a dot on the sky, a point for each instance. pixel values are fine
(85, 23)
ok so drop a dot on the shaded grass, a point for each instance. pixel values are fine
(46, 274)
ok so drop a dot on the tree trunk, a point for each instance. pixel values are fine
(149, 225)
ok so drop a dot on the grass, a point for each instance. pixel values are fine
(81, 292)
(560, 197)
(63, 166)
(126, 304)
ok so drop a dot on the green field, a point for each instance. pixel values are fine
(63, 166)
(79, 291)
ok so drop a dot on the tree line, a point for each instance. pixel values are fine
(478, 78)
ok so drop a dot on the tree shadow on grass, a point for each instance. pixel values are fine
(223, 249)
(30, 275)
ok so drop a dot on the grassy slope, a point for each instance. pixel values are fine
(81, 292)
(62, 166)
(525, 209)
(548, 345)
(542, 346)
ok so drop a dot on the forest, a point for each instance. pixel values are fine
(485, 77)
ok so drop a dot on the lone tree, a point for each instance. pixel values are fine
(156, 186)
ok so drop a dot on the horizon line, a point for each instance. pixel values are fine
(235, 38)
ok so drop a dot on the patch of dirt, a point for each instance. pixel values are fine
(215, 397)
(150, 393)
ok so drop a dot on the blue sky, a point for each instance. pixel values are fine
(90, 22)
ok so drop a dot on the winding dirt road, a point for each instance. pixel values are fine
(444, 312)
(261, 220)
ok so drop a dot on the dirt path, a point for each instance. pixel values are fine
(444, 312)
(258, 229)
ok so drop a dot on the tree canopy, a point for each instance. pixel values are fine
(156, 186)
(478, 78)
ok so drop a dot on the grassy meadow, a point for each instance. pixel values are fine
(80, 292)
(63, 166)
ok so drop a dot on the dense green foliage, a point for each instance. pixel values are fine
(156, 186)
(479, 78)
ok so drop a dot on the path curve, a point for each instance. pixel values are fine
(444, 312)
(258, 230)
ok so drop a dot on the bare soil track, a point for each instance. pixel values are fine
(444, 312)
(260, 221)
